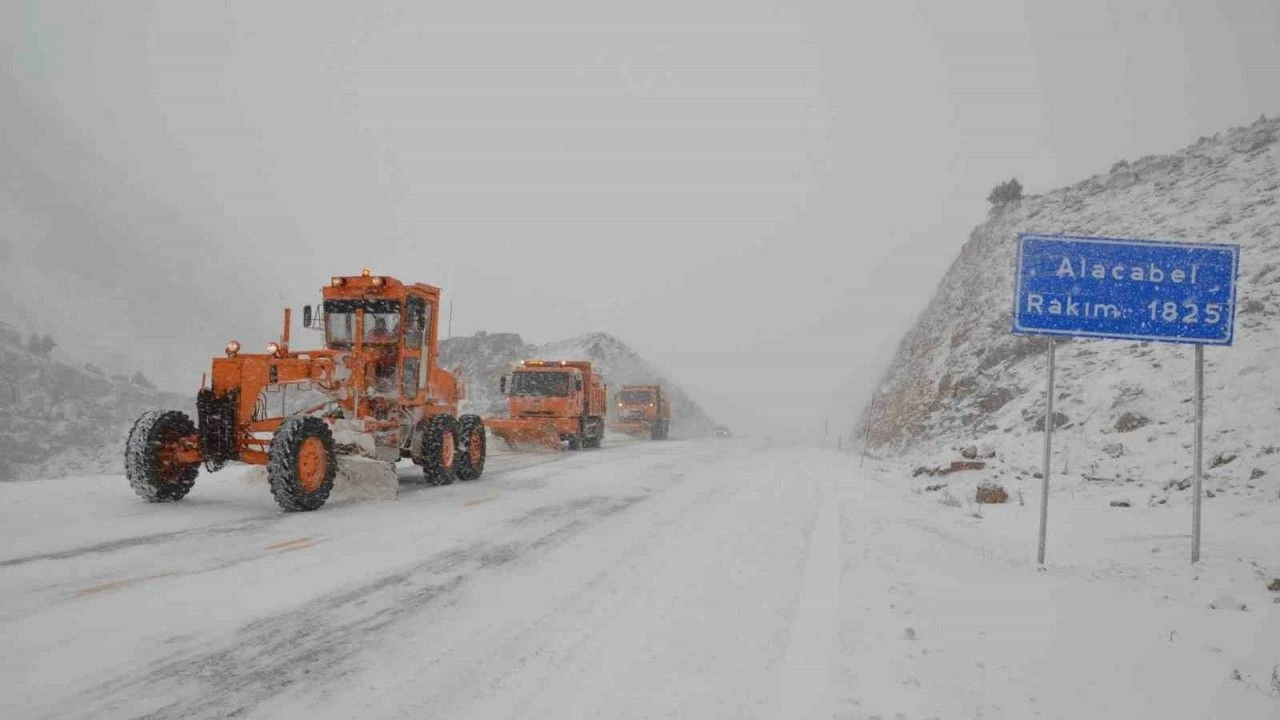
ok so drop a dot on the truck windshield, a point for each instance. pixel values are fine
(381, 321)
(540, 383)
(636, 397)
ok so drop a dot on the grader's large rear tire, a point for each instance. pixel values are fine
(436, 449)
(148, 463)
(472, 449)
(301, 464)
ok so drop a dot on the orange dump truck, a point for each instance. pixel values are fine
(552, 402)
(643, 410)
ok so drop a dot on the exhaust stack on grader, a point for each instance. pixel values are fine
(374, 391)
(550, 402)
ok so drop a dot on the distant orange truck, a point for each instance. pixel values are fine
(550, 402)
(643, 410)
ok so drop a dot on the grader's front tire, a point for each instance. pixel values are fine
(154, 474)
(301, 464)
(436, 449)
(472, 449)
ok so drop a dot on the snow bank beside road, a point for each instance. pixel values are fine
(1118, 624)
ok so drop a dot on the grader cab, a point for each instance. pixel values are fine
(373, 391)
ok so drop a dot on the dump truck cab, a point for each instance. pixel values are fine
(552, 401)
(642, 410)
(537, 390)
(374, 390)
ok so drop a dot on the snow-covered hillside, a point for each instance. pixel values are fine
(484, 358)
(960, 377)
(59, 419)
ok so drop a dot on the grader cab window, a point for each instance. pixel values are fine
(381, 322)
(415, 327)
(409, 378)
(381, 328)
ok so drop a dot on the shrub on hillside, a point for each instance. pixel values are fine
(40, 345)
(1005, 192)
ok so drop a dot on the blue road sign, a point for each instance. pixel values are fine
(1126, 289)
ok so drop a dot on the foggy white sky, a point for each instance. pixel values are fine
(759, 195)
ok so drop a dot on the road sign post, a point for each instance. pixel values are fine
(866, 431)
(1198, 453)
(1048, 452)
(1144, 290)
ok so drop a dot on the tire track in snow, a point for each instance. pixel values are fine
(667, 614)
(806, 667)
(109, 546)
(311, 645)
(521, 649)
(410, 485)
(312, 642)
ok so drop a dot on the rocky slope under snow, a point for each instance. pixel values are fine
(58, 419)
(486, 357)
(1123, 409)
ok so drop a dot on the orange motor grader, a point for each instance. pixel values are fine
(374, 390)
(552, 402)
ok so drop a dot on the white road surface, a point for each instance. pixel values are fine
(642, 580)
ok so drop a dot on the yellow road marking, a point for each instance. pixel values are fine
(116, 584)
(301, 543)
(300, 546)
(103, 587)
(295, 541)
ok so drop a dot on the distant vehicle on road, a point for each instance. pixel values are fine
(552, 401)
(643, 411)
(721, 431)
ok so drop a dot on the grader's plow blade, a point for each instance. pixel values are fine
(361, 478)
(526, 435)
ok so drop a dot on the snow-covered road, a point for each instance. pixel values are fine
(677, 579)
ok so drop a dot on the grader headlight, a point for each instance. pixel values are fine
(273, 348)
(233, 348)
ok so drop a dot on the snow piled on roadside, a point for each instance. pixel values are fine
(1118, 624)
